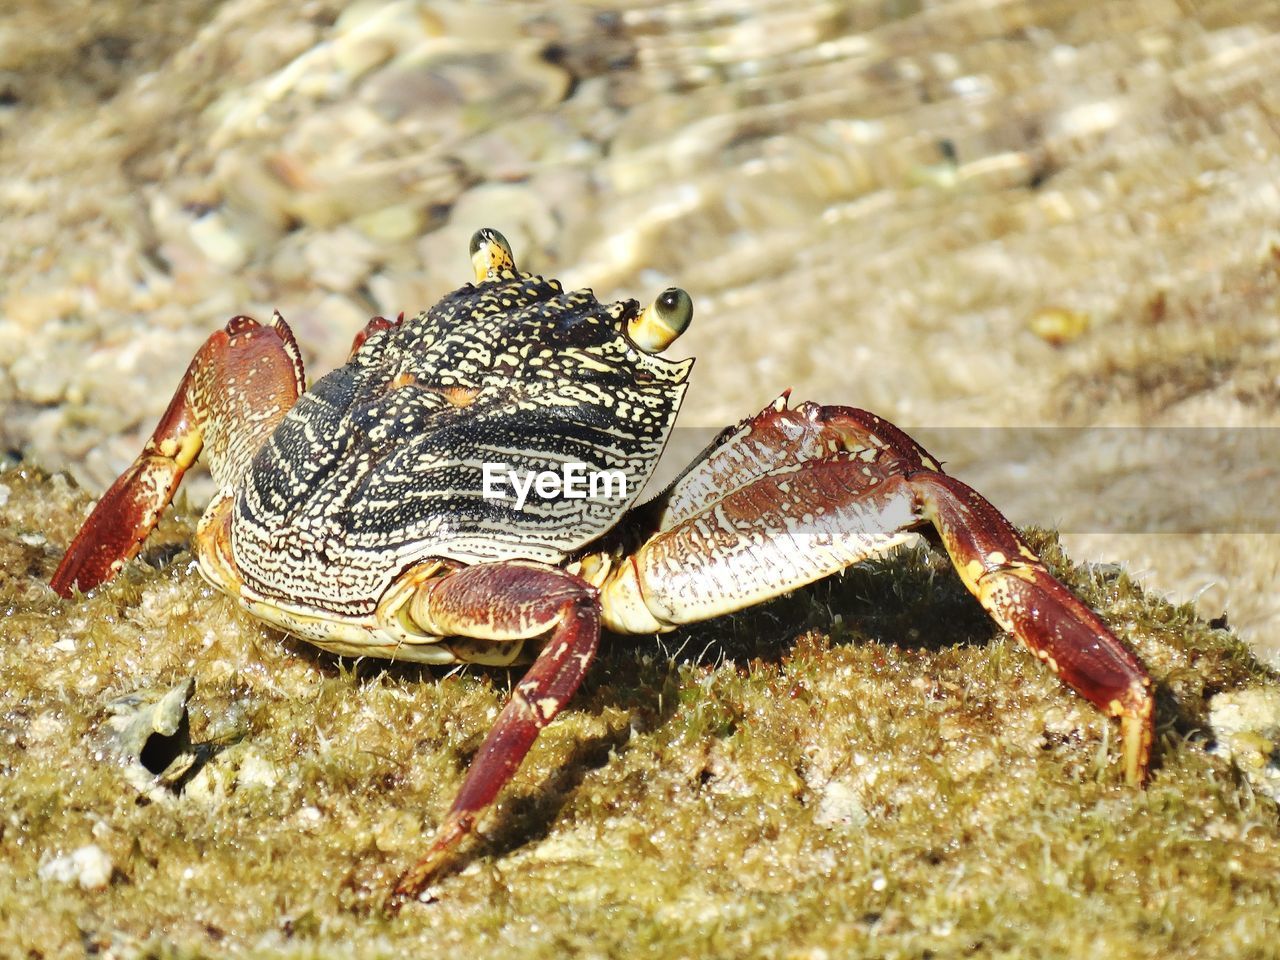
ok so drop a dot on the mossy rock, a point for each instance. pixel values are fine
(864, 768)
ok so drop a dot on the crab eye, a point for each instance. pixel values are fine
(662, 321)
(490, 254)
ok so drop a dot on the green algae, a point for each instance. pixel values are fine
(864, 768)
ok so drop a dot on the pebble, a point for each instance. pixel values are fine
(89, 867)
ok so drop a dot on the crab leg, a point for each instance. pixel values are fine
(514, 600)
(238, 387)
(828, 486)
(375, 325)
(1016, 588)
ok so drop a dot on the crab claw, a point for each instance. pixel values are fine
(237, 388)
(126, 513)
(832, 486)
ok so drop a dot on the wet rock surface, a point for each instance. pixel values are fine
(866, 766)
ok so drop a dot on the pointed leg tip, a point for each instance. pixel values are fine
(405, 891)
(62, 582)
(411, 884)
(1137, 727)
(434, 863)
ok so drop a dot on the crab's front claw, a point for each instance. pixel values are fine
(789, 496)
(237, 388)
(121, 521)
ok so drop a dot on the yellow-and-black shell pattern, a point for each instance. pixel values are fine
(380, 464)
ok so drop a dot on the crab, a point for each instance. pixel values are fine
(376, 513)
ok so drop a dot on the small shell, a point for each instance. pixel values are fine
(148, 733)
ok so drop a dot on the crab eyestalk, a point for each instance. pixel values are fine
(491, 254)
(662, 321)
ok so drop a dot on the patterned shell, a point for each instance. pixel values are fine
(381, 464)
